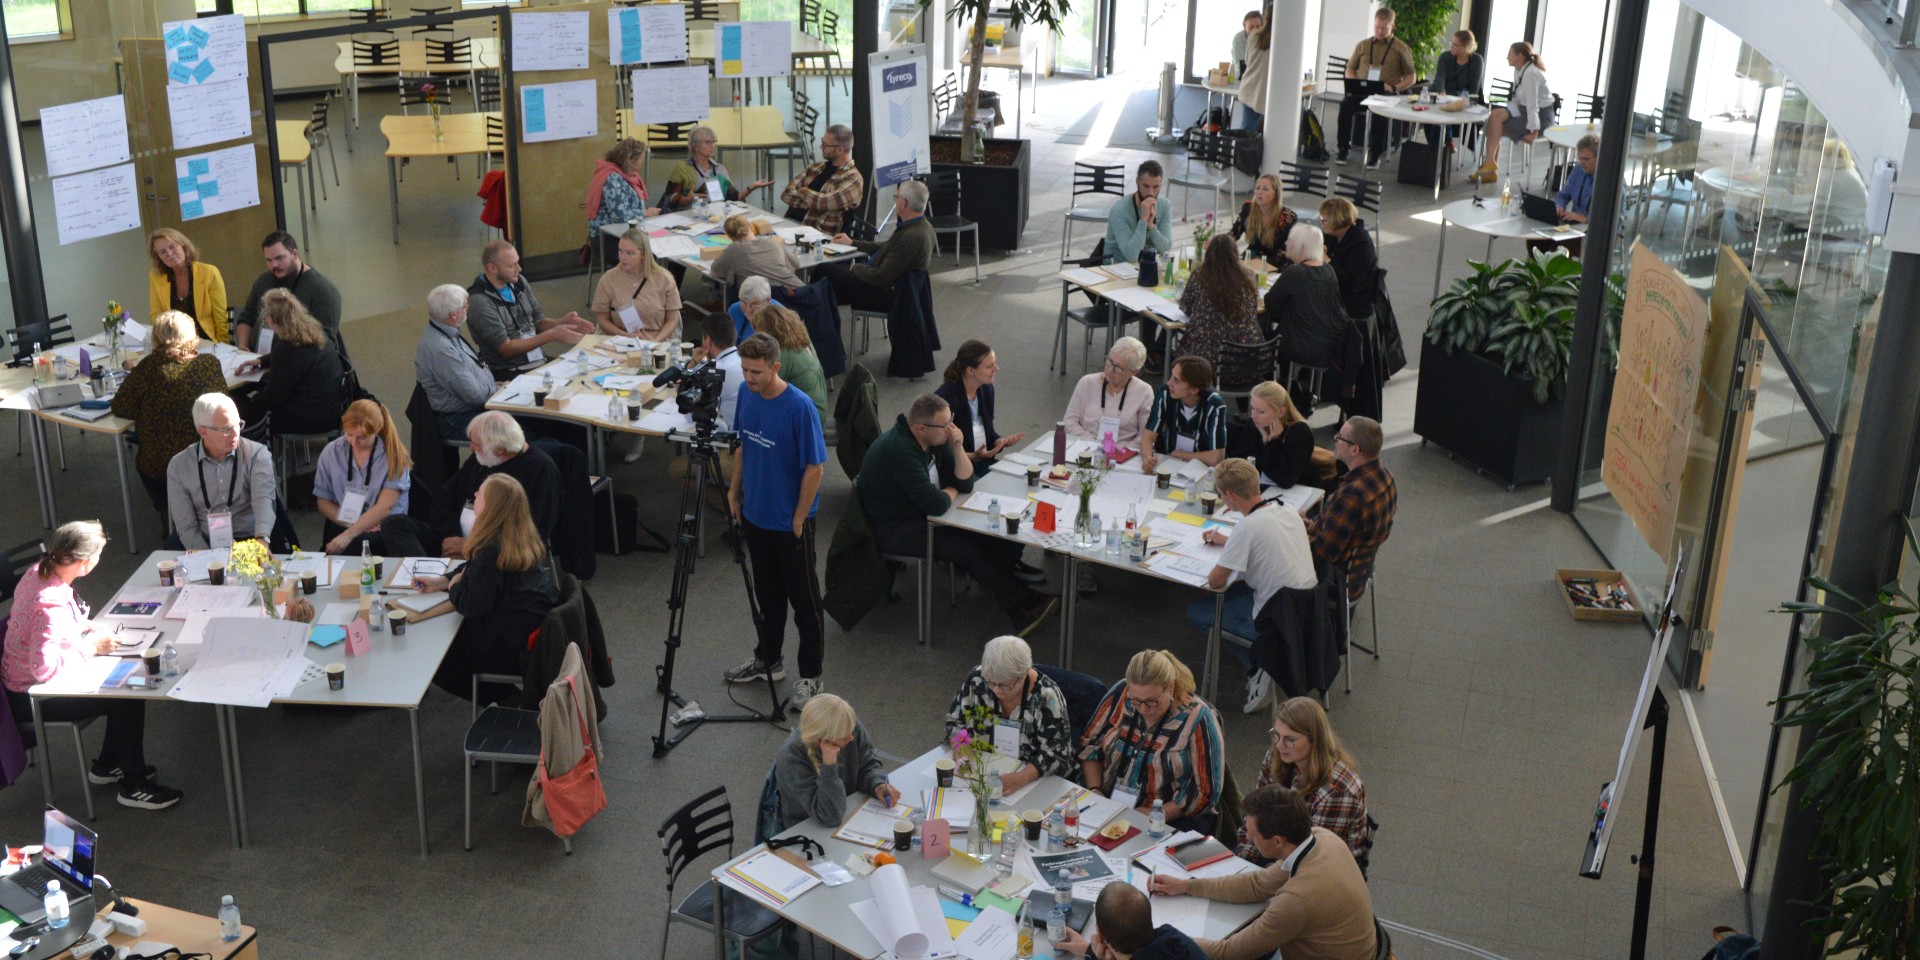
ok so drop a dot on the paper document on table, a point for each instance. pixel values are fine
(194, 563)
(1137, 298)
(1155, 859)
(993, 935)
(245, 662)
(667, 221)
(1298, 497)
(1096, 811)
(85, 677)
(194, 629)
(953, 804)
(983, 501)
(1180, 567)
(138, 603)
(908, 923)
(1383, 100)
(1189, 470)
(1129, 486)
(1009, 467)
(674, 246)
(837, 249)
(769, 879)
(593, 360)
(338, 614)
(519, 390)
(421, 602)
(666, 419)
(800, 235)
(872, 824)
(321, 565)
(408, 569)
(624, 344)
(1082, 276)
(196, 598)
(1123, 271)
(130, 641)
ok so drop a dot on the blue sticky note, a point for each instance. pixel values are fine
(175, 37)
(199, 167)
(192, 210)
(536, 110)
(187, 54)
(629, 35)
(203, 71)
(730, 42)
(179, 73)
(198, 36)
(327, 634)
(209, 188)
(958, 911)
(189, 184)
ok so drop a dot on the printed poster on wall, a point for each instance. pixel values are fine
(653, 33)
(84, 135)
(897, 81)
(216, 182)
(550, 41)
(1663, 334)
(205, 50)
(559, 111)
(758, 49)
(671, 95)
(96, 203)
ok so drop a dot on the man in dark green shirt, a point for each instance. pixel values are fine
(920, 469)
(286, 270)
(869, 285)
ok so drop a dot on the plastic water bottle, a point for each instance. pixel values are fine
(1093, 528)
(229, 919)
(1157, 821)
(1062, 895)
(39, 365)
(1056, 926)
(56, 904)
(1133, 517)
(1025, 940)
(616, 411)
(1506, 195)
(169, 660)
(1009, 848)
(546, 383)
(366, 566)
(995, 787)
(700, 207)
(993, 514)
(1056, 830)
(377, 614)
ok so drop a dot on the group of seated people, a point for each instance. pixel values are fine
(1152, 738)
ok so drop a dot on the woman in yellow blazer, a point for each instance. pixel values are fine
(179, 281)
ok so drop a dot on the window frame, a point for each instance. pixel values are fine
(63, 11)
(223, 8)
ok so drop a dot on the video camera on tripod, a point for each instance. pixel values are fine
(698, 390)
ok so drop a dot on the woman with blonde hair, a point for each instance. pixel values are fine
(638, 297)
(1220, 301)
(1264, 221)
(158, 397)
(826, 759)
(799, 365)
(1153, 738)
(179, 281)
(301, 392)
(504, 592)
(361, 483)
(1305, 756)
(753, 254)
(1281, 444)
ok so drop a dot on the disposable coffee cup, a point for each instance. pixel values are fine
(379, 567)
(309, 582)
(902, 834)
(1209, 502)
(151, 660)
(216, 574)
(1033, 475)
(943, 773)
(539, 398)
(1163, 480)
(336, 676)
(1085, 460)
(397, 622)
(1031, 821)
(1013, 525)
(167, 572)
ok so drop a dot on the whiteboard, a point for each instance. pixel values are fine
(209, 113)
(670, 95)
(653, 33)
(758, 49)
(84, 135)
(205, 50)
(559, 111)
(550, 41)
(217, 182)
(97, 203)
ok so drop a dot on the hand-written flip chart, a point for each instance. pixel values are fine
(653, 33)
(96, 203)
(759, 49)
(217, 182)
(209, 113)
(550, 41)
(206, 50)
(671, 95)
(85, 135)
(559, 111)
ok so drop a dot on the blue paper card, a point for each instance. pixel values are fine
(192, 210)
(190, 184)
(327, 634)
(187, 54)
(209, 188)
(730, 42)
(198, 36)
(199, 166)
(175, 37)
(536, 111)
(629, 35)
(203, 71)
(179, 73)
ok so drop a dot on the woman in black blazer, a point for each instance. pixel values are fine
(968, 391)
(1350, 249)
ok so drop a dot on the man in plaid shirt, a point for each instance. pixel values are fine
(827, 193)
(1357, 516)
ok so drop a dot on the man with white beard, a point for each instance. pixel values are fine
(498, 446)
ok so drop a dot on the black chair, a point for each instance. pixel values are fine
(703, 825)
(1383, 944)
(1083, 694)
(1590, 107)
(1214, 152)
(1097, 180)
(703, 10)
(318, 132)
(809, 16)
(1303, 178)
(1364, 193)
(799, 152)
(1244, 366)
(943, 214)
(1500, 92)
(486, 90)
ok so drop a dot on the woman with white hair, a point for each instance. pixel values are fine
(1115, 400)
(1006, 683)
(828, 758)
(756, 294)
(49, 637)
(1303, 305)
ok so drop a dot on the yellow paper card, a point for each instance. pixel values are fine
(1190, 519)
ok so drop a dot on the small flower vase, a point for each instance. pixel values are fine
(438, 133)
(980, 838)
(267, 586)
(1083, 521)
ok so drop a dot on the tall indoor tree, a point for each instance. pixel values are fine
(1422, 25)
(1018, 13)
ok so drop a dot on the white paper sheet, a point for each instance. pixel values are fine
(674, 247)
(85, 135)
(652, 33)
(209, 113)
(1185, 569)
(665, 418)
(405, 569)
(559, 111)
(668, 221)
(421, 602)
(982, 501)
(205, 50)
(871, 824)
(759, 49)
(194, 563)
(1085, 277)
(245, 662)
(200, 598)
(769, 879)
(97, 203)
(320, 563)
(550, 41)
(671, 95)
(519, 390)
(908, 923)
(338, 614)
(194, 629)
(1123, 271)
(801, 234)
(1141, 298)
(216, 182)
(993, 935)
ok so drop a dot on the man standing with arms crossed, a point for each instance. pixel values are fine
(774, 495)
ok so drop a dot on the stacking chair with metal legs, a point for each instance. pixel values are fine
(1101, 184)
(705, 824)
(944, 214)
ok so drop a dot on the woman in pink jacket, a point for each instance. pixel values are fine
(49, 635)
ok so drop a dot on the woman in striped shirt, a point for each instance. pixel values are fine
(1153, 738)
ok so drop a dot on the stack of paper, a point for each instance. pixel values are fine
(246, 662)
(625, 344)
(769, 879)
(953, 804)
(321, 565)
(983, 502)
(194, 563)
(196, 598)
(407, 569)
(1084, 277)
(1156, 860)
(520, 389)
(908, 923)
(872, 824)
(1179, 567)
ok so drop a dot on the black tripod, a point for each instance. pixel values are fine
(703, 457)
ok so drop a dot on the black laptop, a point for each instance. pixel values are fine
(66, 858)
(1539, 208)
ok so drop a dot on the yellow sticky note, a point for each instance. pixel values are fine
(956, 927)
(1176, 495)
(1190, 519)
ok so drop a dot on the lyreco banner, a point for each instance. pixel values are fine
(899, 121)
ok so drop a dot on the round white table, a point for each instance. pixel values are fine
(1409, 109)
(1483, 215)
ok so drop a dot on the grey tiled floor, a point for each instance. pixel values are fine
(1482, 732)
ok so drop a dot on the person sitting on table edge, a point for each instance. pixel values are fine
(701, 176)
(1006, 683)
(869, 285)
(1267, 552)
(447, 367)
(1115, 400)
(1153, 738)
(506, 322)
(1188, 420)
(499, 446)
(968, 391)
(826, 759)
(1305, 756)
(756, 294)
(1357, 516)
(1124, 930)
(1318, 905)
(220, 489)
(503, 593)
(357, 507)
(180, 280)
(287, 271)
(158, 396)
(637, 298)
(827, 194)
(920, 468)
(49, 637)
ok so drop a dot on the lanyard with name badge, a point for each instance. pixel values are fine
(1110, 426)
(354, 502)
(219, 523)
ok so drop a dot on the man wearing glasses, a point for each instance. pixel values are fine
(825, 195)
(1357, 516)
(919, 469)
(220, 489)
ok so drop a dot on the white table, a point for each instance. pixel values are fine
(826, 911)
(394, 674)
(807, 260)
(1409, 109)
(1484, 216)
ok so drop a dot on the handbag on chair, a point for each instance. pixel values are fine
(576, 796)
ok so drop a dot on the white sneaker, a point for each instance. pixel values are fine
(1259, 692)
(802, 690)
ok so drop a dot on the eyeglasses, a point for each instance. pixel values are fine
(238, 425)
(1290, 740)
(1340, 439)
(1143, 703)
(1111, 365)
(1005, 685)
(936, 426)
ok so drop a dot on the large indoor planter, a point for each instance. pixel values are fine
(992, 194)
(1475, 410)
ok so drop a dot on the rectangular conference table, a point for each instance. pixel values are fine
(1005, 486)
(393, 674)
(1159, 304)
(826, 911)
(683, 225)
(410, 136)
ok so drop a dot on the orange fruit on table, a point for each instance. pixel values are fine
(882, 859)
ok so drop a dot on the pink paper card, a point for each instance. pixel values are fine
(357, 640)
(935, 837)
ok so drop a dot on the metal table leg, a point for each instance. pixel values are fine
(1440, 256)
(719, 920)
(46, 755)
(42, 469)
(419, 785)
(126, 498)
(226, 776)
(239, 781)
(926, 592)
(302, 184)
(393, 193)
(1068, 603)
(1213, 647)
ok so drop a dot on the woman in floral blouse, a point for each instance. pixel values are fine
(1307, 757)
(1221, 303)
(1153, 739)
(1006, 683)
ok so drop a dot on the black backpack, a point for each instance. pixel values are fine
(1313, 139)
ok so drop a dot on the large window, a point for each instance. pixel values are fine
(277, 8)
(35, 18)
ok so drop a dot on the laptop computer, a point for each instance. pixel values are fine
(66, 858)
(1539, 208)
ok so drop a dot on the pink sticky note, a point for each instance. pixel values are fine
(935, 837)
(357, 640)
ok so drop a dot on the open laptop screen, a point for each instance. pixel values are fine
(69, 849)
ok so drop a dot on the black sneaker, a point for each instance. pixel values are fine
(99, 772)
(754, 671)
(1029, 572)
(1340, 158)
(1373, 162)
(147, 795)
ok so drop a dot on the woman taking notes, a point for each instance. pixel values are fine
(1306, 757)
(361, 483)
(1284, 447)
(638, 297)
(827, 759)
(753, 255)
(1006, 683)
(1153, 738)
(158, 397)
(179, 281)
(503, 592)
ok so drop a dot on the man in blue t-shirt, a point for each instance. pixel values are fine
(774, 493)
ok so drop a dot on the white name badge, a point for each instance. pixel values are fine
(713, 192)
(979, 436)
(466, 520)
(1373, 74)
(1110, 427)
(536, 355)
(1006, 739)
(351, 506)
(630, 318)
(933, 474)
(263, 341)
(1183, 443)
(1126, 797)
(220, 530)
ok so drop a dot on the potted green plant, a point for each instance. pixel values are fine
(1493, 365)
(1422, 24)
(974, 14)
